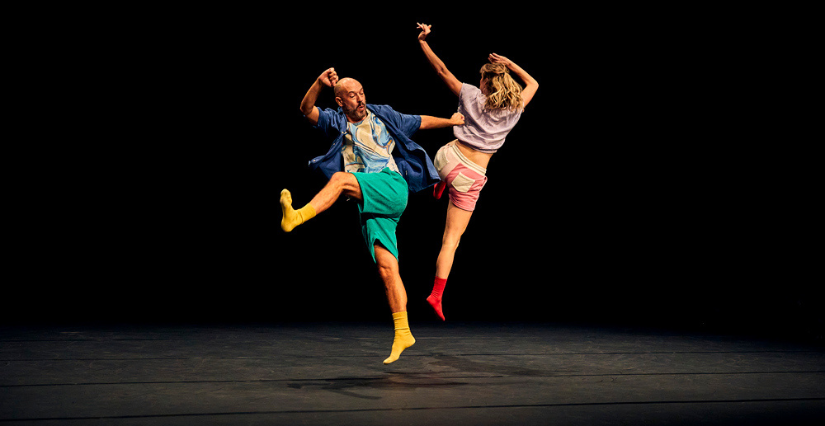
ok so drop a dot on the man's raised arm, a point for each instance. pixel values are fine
(328, 78)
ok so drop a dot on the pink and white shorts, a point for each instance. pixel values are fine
(464, 178)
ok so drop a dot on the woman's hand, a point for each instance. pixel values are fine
(530, 83)
(425, 30)
(498, 59)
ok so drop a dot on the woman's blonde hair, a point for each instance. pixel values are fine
(502, 90)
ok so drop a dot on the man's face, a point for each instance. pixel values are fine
(351, 99)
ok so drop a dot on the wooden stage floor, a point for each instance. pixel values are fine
(456, 374)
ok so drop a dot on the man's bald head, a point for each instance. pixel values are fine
(349, 94)
(346, 84)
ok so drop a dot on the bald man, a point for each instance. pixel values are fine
(374, 161)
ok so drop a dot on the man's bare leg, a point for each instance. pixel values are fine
(340, 184)
(397, 298)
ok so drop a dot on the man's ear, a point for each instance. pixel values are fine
(339, 101)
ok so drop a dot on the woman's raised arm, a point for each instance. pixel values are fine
(530, 83)
(449, 79)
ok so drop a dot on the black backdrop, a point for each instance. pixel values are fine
(639, 186)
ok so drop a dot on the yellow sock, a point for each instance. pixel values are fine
(293, 218)
(403, 338)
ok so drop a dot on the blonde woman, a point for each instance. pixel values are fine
(491, 110)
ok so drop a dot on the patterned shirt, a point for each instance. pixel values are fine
(368, 146)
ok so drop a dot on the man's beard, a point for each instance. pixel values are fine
(355, 114)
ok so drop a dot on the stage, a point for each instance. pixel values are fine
(473, 373)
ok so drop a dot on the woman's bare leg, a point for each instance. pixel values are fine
(457, 221)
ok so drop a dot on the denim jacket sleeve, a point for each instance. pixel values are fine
(407, 124)
(333, 124)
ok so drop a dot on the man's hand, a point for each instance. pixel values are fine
(425, 30)
(457, 119)
(328, 78)
(430, 122)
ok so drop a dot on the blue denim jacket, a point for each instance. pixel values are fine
(413, 162)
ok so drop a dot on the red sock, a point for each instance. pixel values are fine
(439, 189)
(435, 296)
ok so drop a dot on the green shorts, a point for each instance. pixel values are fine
(385, 198)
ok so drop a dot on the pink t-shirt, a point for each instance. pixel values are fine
(483, 130)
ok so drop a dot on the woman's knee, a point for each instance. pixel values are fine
(450, 242)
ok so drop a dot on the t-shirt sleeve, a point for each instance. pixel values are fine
(468, 93)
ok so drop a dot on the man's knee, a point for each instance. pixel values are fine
(386, 262)
(387, 272)
(346, 182)
(340, 178)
